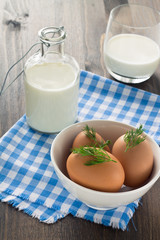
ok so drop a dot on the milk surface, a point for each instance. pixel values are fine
(51, 96)
(131, 55)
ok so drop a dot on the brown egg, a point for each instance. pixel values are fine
(137, 161)
(82, 140)
(106, 176)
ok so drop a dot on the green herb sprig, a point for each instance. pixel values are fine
(98, 154)
(133, 137)
(91, 133)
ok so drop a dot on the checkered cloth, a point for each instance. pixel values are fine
(27, 177)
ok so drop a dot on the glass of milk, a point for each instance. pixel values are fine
(132, 43)
(51, 84)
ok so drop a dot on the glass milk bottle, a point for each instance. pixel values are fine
(51, 84)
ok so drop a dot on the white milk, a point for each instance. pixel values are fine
(51, 96)
(131, 55)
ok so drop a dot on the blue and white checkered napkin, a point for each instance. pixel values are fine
(27, 177)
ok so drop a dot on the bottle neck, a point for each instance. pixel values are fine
(54, 48)
(52, 39)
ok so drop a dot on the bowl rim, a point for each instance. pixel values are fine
(145, 186)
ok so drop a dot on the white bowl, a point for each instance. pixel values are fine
(99, 200)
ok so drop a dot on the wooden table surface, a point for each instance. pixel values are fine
(85, 22)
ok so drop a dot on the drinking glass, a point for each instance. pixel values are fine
(132, 43)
